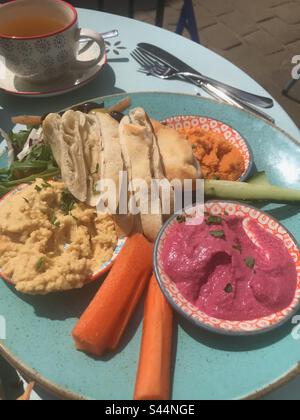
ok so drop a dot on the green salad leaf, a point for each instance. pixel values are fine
(39, 163)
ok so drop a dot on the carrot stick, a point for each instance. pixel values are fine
(102, 325)
(27, 394)
(153, 380)
(27, 120)
(121, 106)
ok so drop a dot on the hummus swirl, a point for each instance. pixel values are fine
(227, 273)
(45, 248)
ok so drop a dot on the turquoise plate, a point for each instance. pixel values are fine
(207, 366)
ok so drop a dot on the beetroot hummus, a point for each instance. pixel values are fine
(227, 275)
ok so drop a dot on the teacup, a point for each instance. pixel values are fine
(39, 40)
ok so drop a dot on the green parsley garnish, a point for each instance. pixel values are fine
(218, 234)
(95, 192)
(74, 217)
(214, 220)
(46, 185)
(40, 265)
(38, 188)
(238, 247)
(67, 202)
(96, 170)
(250, 262)
(181, 218)
(228, 288)
(53, 220)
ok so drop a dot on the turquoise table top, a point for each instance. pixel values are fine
(120, 75)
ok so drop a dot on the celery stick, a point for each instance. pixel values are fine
(228, 190)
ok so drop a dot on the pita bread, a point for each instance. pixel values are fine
(143, 159)
(52, 135)
(64, 136)
(177, 154)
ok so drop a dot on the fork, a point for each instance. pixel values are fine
(152, 66)
(166, 73)
(212, 90)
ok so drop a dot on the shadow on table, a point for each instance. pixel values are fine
(282, 212)
(102, 85)
(236, 344)
(72, 304)
(61, 306)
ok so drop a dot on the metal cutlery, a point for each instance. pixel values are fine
(147, 54)
(174, 67)
(105, 35)
(166, 73)
(212, 90)
(110, 34)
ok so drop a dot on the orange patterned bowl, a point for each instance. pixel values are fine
(228, 133)
(201, 319)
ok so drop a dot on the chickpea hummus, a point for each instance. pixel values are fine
(49, 242)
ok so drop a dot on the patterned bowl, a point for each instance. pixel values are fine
(103, 268)
(228, 133)
(199, 318)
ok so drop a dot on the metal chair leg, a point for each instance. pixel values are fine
(188, 20)
(160, 12)
(289, 86)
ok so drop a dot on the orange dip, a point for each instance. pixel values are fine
(218, 158)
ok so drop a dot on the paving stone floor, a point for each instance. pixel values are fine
(259, 36)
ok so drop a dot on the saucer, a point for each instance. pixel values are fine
(69, 82)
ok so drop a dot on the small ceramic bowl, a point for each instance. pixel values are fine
(228, 133)
(199, 318)
(103, 268)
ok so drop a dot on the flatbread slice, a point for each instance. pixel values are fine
(177, 154)
(142, 157)
(64, 134)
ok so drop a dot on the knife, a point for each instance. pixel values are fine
(178, 65)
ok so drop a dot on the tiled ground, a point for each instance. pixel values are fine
(260, 36)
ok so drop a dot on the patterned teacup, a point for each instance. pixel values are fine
(48, 46)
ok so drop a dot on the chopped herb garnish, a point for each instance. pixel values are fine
(216, 178)
(74, 217)
(250, 262)
(38, 188)
(181, 218)
(46, 185)
(228, 288)
(95, 192)
(226, 213)
(40, 265)
(68, 202)
(26, 200)
(96, 170)
(214, 220)
(218, 234)
(238, 247)
(54, 221)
